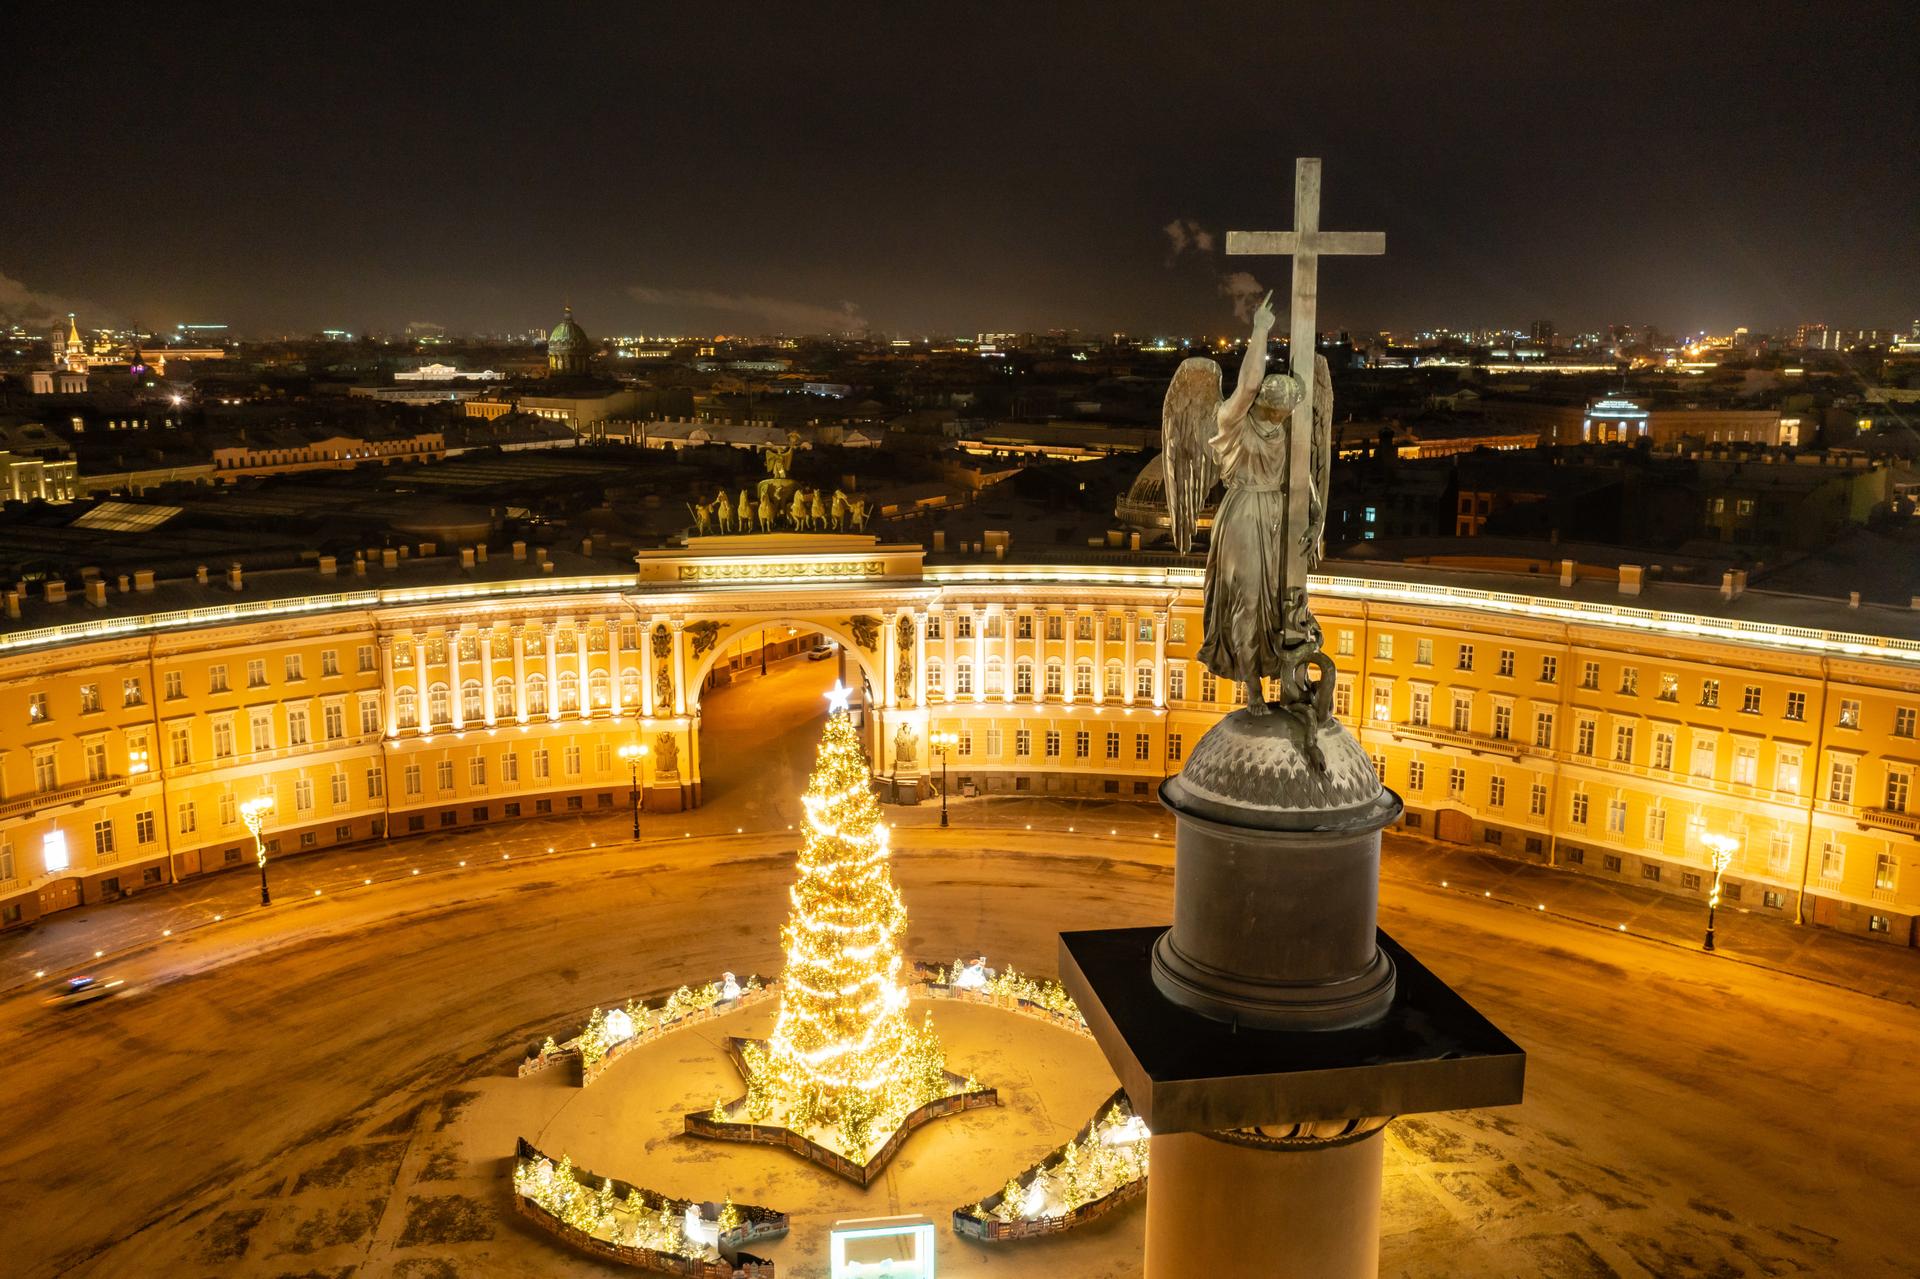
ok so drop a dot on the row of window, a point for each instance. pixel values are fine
(180, 747)
(1580, 813)
(994, 679)
(56, 858)
(989, 742)
(1847, 715)
(133, 689)
(1704, 762)
(433, 648)
(473, 699)
(1085, 627)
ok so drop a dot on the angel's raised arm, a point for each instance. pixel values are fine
(1253, 369)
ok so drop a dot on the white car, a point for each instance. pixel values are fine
(824, 652)
(81, 990)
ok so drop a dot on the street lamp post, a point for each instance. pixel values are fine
(942, 743)
(633, 754)
(1720, 848)
(254, 814)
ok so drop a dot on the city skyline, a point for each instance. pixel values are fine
(873, 187)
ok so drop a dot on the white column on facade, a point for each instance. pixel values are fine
(549, 636)
(679, 668)
(613, 666)
(947, 617)
(1127, 660)
(516, 635)
(1099, 656)
(1159, 659)
(889, 654)
(1071, 657)
(920, 658)
(584, 674)
(424, 721)
(1008, 621)
(386, 690)
(646, 667)
(455, 710)
(486, 676)
(979, 654)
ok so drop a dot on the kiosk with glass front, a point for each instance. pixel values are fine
(882, 1248)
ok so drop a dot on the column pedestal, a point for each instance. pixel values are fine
(1266, 1037)
(1221, 1205)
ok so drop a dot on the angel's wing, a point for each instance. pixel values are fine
(1188, 419)
(1314, 535)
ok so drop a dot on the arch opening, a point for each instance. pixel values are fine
(758, 699)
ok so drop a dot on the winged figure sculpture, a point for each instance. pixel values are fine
(1262, 546)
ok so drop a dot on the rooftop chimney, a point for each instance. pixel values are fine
(200, 574)
(586, 546)
(359, 566)
(56, 592)
(143, 579)
(519, 550)
(480, 552)
(329, 566)
(389, 558)
(96, 593)
(1853, 599)
(233, 576)
(13, 604)
(1632, 577)
(940, 543)
(427, 549)
(466, 557)
(1732, 583)
(124, 584)
(1566, 572)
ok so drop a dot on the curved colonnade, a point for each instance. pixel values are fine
(1577, 722)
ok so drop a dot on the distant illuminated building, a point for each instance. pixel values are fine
(445, 373)
(75, 352)
(568, 349)
(68, 376)
(1613, 422)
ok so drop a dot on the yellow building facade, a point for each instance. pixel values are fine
(1608, 734)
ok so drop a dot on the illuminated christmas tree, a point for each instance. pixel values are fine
(845, 1055)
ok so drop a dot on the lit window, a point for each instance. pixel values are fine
(53, 851)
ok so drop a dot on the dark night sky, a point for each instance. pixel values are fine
(667, 168)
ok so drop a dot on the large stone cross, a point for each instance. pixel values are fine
(1305, 243)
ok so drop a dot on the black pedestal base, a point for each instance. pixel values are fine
(1184, 1072)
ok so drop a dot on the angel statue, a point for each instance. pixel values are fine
(1257, 624)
